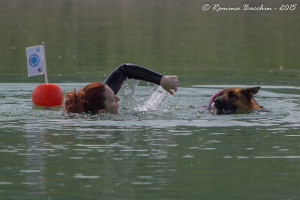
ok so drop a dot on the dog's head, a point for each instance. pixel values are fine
(233, 100)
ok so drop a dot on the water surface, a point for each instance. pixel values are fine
(158, 147)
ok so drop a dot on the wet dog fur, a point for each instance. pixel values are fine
(234, 100)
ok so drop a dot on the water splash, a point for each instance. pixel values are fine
(128, 95)
(152, 98)
(156, 100)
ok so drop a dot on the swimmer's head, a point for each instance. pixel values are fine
(93, 98)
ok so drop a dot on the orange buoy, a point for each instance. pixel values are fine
(47, 95)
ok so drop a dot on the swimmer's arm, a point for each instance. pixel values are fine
(124, 71)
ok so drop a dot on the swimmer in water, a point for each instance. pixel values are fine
(96, 98)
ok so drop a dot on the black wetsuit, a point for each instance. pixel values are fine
(124, 71)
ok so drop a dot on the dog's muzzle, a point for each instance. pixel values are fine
(221, 106)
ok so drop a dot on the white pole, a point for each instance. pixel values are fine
(45, 64)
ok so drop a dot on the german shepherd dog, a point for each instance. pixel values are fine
(234, 100)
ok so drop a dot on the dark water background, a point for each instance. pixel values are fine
(90, 38)
(159, 147)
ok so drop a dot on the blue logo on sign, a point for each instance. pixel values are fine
(34, 60)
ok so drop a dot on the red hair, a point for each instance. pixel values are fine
(90, 99)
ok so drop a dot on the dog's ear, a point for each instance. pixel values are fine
(251, 91)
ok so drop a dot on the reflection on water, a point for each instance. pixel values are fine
(151, 152)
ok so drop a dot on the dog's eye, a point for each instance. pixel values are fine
(232, 95)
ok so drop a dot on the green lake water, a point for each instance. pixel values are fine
(160, 146)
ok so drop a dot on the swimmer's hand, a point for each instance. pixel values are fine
(169, 83)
